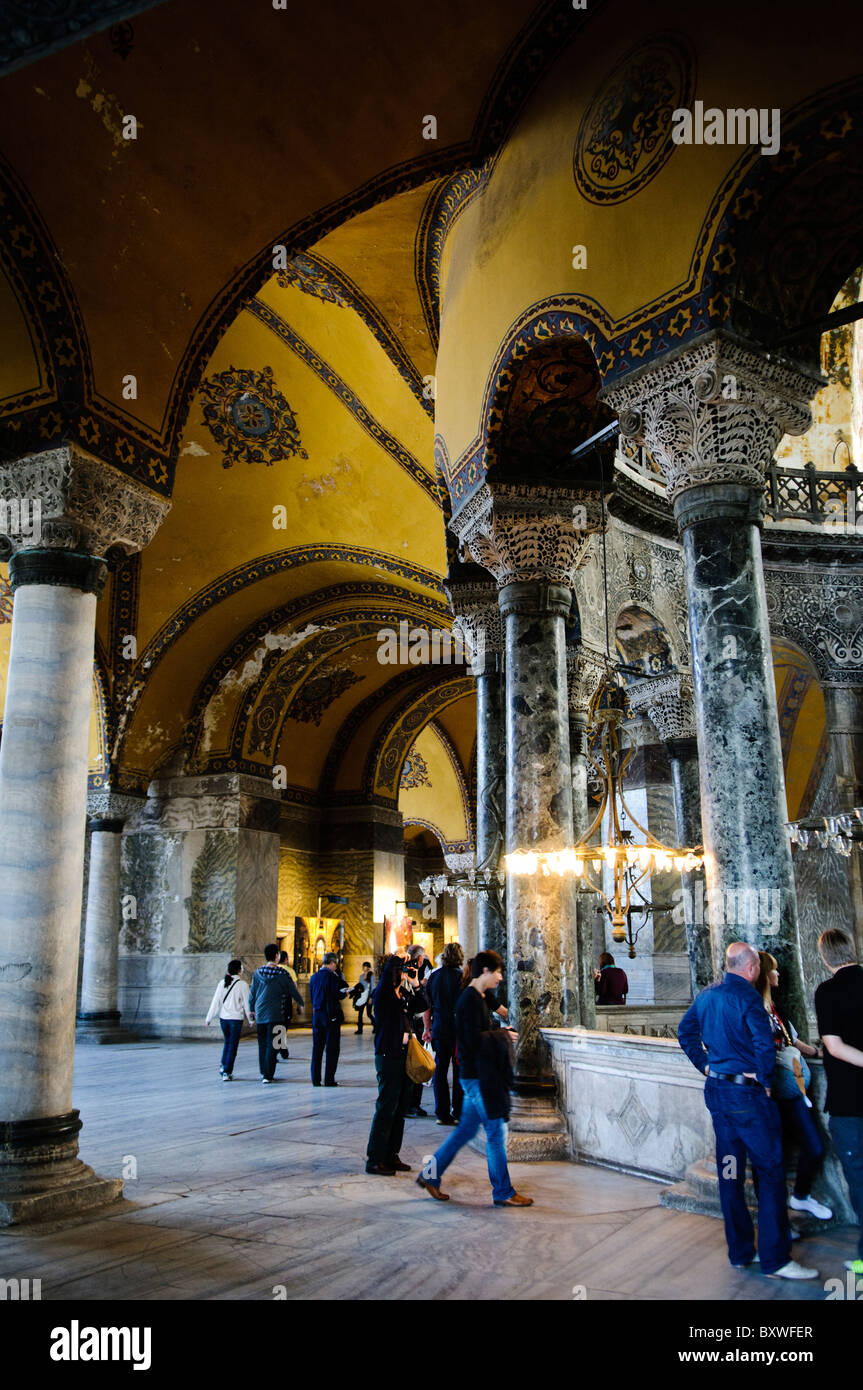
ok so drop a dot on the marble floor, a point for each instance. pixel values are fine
(245, 1191)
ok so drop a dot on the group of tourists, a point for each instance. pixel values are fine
(756, 1088)
(753, 1059)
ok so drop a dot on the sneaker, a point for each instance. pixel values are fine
(792, 1270)
(266, 1081)
(855, 1266)
(226, 1076)
(756, 1260)
(448, 1120)
(810, 1204)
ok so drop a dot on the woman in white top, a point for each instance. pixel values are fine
(230, 1004)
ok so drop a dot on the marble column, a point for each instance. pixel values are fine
(98, 1017)
(86, 508)
(528, 539)
(668, 702)
(711, 416)
(473, 597)
(584, 670)
(844, 709)
(467, 925)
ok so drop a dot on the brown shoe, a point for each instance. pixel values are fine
(516, 1200)
(433, 1191)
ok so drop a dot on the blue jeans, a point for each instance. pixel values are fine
(473, 1114)
(847, 1132)
(746, 1122)
(231, 1030)
(798, 1122)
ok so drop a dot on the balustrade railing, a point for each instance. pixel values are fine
(825, 498)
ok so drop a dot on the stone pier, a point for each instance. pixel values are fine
(87, 508)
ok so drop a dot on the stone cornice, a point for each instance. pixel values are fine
(78, 503)
(714, 411)
(107, 805)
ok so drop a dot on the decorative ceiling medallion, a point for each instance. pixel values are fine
(625, 136)
(307, 274)
(415, 772)
(315, 696)
(249, 418)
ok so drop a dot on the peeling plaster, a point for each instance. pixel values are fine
(237, 681)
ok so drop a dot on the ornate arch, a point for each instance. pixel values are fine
(385, 759)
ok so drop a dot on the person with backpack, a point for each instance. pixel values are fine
(361, 995)
(230, 1005)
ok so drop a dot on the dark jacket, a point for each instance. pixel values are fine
(392, 1020)
(269, 995)
(294, 996)
(613, 986)
(483, 1053)
(326, 991)
(730, 1021)
(443, 988)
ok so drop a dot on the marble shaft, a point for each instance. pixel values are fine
(43, 795)
(844, 709)
(491, 779)
(750, 879)
(686, 788)
(542, 966)
(585, 903)
(102, 929)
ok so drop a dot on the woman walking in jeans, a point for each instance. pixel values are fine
(230, 1004)
(485, 1073)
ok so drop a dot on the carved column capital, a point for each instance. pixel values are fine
(477, 617)
(714, 412)
(585, 669)
(460, 863)
(67, 500)
(523, 534)
(668, 703)
(108, 810)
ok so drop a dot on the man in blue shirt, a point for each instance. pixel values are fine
(326, 989)
(726, 1036)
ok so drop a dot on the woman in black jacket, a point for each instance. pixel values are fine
(392, 1031)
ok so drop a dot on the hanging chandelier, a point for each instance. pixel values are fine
(840, 832)
(630, 862)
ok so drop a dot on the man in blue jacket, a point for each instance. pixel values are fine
(268, 1001)
(327, 989)
(726, 1036)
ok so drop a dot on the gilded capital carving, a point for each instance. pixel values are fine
(713, 412)
(524, 534)
(585, 669)
(668, 703)
(66, 499)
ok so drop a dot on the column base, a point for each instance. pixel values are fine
(102, 1028)
(536, 1132)
(41, 1176)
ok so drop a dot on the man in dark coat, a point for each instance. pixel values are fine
(327, 989)
(443, 988)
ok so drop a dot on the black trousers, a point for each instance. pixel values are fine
(444, 1056)
(267, 1054)
(368, 1008)
(388, 1122)
(326, 1035)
